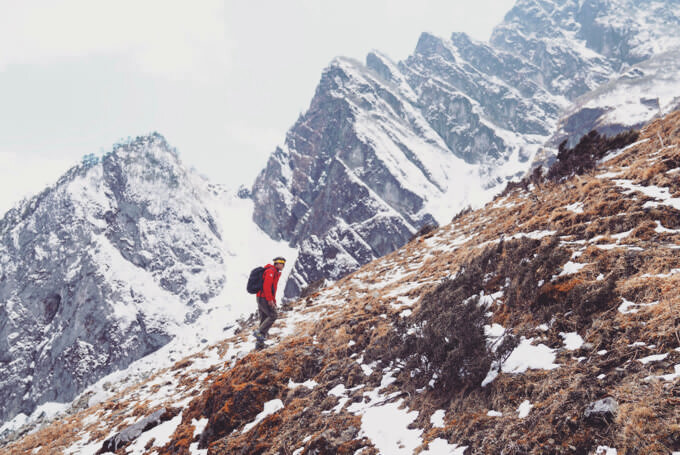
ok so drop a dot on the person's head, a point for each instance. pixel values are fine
(279, 263)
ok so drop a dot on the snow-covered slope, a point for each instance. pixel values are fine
(646, 90)
(386, 148)
(545, 322)
(122, 255)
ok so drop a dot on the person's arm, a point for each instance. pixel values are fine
(267, 286)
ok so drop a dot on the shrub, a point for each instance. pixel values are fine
(584, 156)
(449, 340)
(462, 213)
(424, 231)
(578, 160)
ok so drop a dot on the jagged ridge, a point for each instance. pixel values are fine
(386, 148)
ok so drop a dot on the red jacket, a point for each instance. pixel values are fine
(271, 280)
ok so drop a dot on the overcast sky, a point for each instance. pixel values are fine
(222, 81)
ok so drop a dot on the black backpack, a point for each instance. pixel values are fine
(255, 280)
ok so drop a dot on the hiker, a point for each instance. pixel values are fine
(266, 299)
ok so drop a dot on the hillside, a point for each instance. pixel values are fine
(569, 295)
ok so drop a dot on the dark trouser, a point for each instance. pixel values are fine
(267, 315)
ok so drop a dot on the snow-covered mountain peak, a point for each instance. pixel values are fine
(430, 45)
(102, 268)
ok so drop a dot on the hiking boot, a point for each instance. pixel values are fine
(260, 344)
(258, 336)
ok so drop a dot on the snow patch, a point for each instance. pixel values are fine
(270, 407)
(441, 446)
(524, 408)
(572, 340)
(576, 207)
(653, 358)
(437, 419)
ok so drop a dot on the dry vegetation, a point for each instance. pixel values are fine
(620, 246)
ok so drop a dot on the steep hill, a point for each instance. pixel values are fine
(545, 322)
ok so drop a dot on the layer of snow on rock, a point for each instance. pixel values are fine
(270, 407)
(628, 307)
(667, 377)
(653, 358)
(395, 437)
(660, 229)
(437, 419)
(161, 435)
(571, 267)
(576, 207)
(615, 153)
(535, 235)
(310, 384)
(199, 425)
(656, 192)
(527, 356)
(662, 275)
(604, 450)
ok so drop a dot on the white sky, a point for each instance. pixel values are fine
(221, 80)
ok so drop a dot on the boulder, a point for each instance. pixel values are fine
(132, 432)
(604, 409)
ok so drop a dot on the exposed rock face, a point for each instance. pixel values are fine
(388, 147)
(616, 60)
(129, 434)
(99, 270)
(603, 410)
(579, 45)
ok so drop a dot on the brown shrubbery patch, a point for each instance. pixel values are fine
(584, 156)
(449, 341)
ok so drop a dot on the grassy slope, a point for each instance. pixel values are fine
(345, 334)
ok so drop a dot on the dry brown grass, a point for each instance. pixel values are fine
(586, 302)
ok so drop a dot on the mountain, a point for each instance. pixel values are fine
(544, 322)
(388, 148)
(581, 44)
(359, 173)
(122, 255)
(132, 260)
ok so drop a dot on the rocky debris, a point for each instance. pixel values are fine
(129, 434)
(602, 410)
(82, 402)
